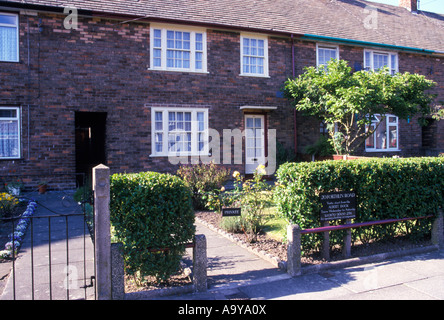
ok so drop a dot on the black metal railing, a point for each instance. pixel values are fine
(51, 253)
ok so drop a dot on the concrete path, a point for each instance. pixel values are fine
(57, 269)
(231, 266)
(235, 273)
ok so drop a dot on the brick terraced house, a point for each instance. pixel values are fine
(130, 83)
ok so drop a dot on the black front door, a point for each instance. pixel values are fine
(90, 141)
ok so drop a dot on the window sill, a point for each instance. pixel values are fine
(253, 75)
(6, 61)
(383, 150)
(178, 70)
(178, 155)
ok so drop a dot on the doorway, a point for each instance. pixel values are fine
(90, 131)
(255, 142)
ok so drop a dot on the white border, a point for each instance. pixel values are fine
(326, 46)
(266, 64)
(17, 118)
(193, 31)
(18, 33)
(194, 146)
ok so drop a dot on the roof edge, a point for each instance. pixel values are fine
(368, 44)
(312, 37)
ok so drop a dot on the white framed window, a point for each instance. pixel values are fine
(324, 53)
(176, 48)
(179, 131)
(375, 60)
(254, 55)
(10, 132)
(386, 136)
(9, 37)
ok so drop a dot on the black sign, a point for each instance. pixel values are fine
(338, 205)
(231, 212)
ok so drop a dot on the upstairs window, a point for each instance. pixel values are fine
(254, 56)
(386, 136)
(325, 54)
(8, 37)
(176, 49)
(9, 132)
(375, 60)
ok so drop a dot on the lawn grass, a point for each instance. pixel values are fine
(275, 226)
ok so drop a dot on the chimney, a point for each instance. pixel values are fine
(411, 5)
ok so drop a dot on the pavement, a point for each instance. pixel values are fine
(234, 273)
(55, 260)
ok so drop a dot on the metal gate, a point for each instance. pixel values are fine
(51, 251)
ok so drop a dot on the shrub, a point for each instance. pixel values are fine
(7, 204)
(151, 210)
(385, 189)
(232, 224)
(203, 179)
(251, 196)
(253, 201)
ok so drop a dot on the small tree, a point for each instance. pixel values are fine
(347, 101)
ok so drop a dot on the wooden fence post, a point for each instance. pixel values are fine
(102, 235)
(326, 243)
(294, 250)
(200, 263)
(438, 229)
(346, 250)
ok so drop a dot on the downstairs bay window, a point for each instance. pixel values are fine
(386, 134)
(179, 131)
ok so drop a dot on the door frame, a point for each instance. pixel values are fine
(251, 163)
(93, 124)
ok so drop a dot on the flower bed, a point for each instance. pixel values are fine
(16, 238)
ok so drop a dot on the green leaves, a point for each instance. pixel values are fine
(151, 210)
(339, 97)
(385, 188)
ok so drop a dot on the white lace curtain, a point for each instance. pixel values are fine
(9, 139)
(8, 44)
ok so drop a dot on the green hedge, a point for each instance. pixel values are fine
(151, 210)
(385, 188)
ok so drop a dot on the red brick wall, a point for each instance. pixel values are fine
(410, 136)
(103, 67)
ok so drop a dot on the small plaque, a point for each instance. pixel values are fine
(231, 212)
(338, 205)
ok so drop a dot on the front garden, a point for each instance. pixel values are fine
(154, 210)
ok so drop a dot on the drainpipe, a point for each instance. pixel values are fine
(294, 112)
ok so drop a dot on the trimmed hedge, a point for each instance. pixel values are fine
(151, 210)
(386, 189)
